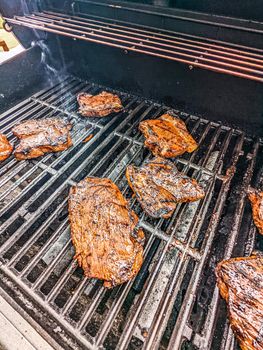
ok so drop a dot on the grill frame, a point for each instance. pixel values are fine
(48, 101)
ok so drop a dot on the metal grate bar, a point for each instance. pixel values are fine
(4, 247)
(72, 267)
(28, 112)
(131, 322)
(189, 54)
(176, 45)
(43, 111)
(56, 89)
(117, 304)
(115, 308)
(210, 47)
(73, 158)
(148, 29)
(25, 247)
(175, 340)
(164, 34)
(86, 343)
(34, 238)
(238, 62)
(63, 170)
(44, 276)
(206, 337)
(166, 306)
(54, 86)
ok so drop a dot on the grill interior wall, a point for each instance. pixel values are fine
(173, 301)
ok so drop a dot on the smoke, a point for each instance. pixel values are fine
(55, 70)
(47, 59)
(30, 6)
(50, 63)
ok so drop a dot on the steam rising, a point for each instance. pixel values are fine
(49, 62)
(56, 71)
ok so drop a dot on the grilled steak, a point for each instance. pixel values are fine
(158, 186)
(240, 281)
(38, 137)
(5, 148)
(167, 136)
(99, 105)
(256, 199)
(103, 230)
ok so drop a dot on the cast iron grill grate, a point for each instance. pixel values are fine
(173, 302)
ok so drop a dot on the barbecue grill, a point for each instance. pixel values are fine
(208, 69)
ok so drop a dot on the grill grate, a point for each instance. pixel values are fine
(244, 62)
(173, 302)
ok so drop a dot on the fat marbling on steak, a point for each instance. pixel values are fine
(159, 186)
(99, 105)
(108, 244)
(256, 199)
(40, 136)
(240, 281)
(5, 148)
(167, 136)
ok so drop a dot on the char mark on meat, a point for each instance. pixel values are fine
(108, 244)
(159, 186)
(99, 105)
(37, 137)
(167, 136)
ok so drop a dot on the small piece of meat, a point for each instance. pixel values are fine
(5, 148)
(99, 105)
(87, 138)
(159, 186)
(103, 230)
(240, 281)
(167, 136)
(256, 199)
(37, 137)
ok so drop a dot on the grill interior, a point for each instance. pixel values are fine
(173, 302)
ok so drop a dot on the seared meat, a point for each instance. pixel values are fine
(256, 199)
(240, 281)
(99, 105)
(103, 230)
(38, 137)
(158, 186)
(5, 148)
(167, 136)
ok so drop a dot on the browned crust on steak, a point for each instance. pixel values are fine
(256, 199)
(167, 136)
(5, 148)
(159, 186)
(99, 105)
(103, 230)
(240, 281)
(37, 137)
